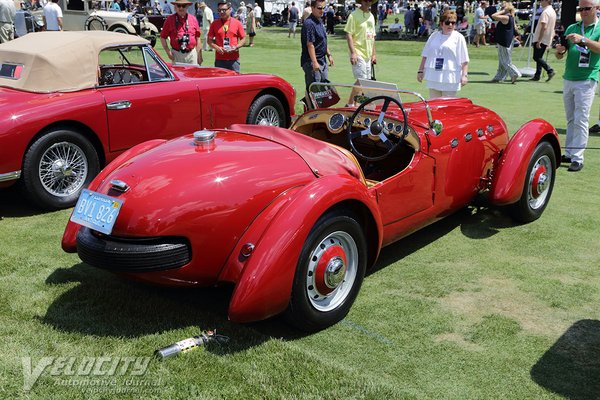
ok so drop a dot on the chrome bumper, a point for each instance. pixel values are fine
(11, 176)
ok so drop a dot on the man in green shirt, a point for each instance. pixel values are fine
(582, 48)
(360, 34)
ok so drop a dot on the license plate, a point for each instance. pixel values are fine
(96, 211)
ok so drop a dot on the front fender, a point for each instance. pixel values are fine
(124, 25)
(509, 177)
(264, 283)
(150, 27)
(69, 239)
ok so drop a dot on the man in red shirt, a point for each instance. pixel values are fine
(183, 32)
(226, 36)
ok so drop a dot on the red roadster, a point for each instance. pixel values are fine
(73, 101)
(294, 217)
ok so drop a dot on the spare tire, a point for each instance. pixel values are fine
(95, 23)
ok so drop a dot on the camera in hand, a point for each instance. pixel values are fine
(184, 41)
(563, 40)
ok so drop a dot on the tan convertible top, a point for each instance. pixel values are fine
(59, 61)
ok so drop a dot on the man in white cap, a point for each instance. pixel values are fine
(258, 15)
(183, 32)
(207, 18)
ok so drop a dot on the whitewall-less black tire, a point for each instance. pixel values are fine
(267, 110)
(56, 167)
(329, 273)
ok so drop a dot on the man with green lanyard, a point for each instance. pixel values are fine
(582, 48)
(360, 34)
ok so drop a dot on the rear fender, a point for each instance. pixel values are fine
(69, 240)
(509, 177)
(264, 279)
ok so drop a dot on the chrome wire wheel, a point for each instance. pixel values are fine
(268, 116)
(332, 270)
(539, 182)
(63, 169)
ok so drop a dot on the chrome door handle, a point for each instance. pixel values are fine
(119, 105)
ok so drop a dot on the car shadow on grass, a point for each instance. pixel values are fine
(13, 204)
(571, 367)
(474, 223)
(103, 304)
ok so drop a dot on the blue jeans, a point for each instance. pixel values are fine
(311, 76)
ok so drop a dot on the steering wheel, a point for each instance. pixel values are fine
(377, 130)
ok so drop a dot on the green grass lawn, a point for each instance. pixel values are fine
(473, 307)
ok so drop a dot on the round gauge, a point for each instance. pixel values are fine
(336, 122)
(367, 121)
(390, 126)
(399, 128)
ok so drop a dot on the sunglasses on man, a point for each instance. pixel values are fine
(580, 9)
(449, 22)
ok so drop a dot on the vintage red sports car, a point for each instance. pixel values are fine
(294, 217)
(73, 101)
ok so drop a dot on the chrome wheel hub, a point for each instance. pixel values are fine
(268, 116)
(61, 169)
(539, 182)
(334, 272)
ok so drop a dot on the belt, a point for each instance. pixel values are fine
(183, 51)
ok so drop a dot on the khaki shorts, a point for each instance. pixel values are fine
(480, 29)
(185, 58)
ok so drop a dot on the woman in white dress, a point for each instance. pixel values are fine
(445, 59)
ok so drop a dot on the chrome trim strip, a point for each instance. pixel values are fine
(11, 176)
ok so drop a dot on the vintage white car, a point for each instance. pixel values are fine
(95, 16)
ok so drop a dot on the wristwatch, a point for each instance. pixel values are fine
(582, 40)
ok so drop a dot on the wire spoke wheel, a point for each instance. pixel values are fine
(268, 116)
(63, 169)
(267, 110)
